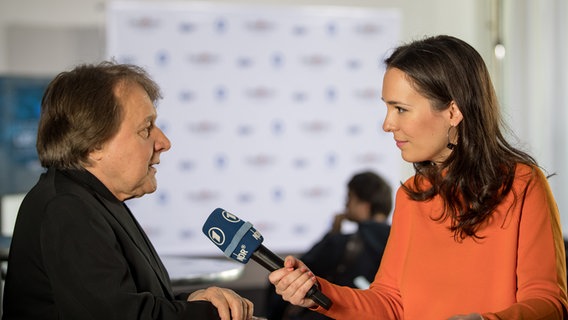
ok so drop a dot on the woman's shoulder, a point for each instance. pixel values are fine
(530, 171)
(417, 181)
(524, 169)
(527, 175)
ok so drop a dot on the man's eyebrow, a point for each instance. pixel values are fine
(151, 117)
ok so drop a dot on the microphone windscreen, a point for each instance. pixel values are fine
(237, 239)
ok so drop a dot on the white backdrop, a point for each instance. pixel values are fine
(270, 110)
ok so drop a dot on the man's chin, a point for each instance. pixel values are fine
(150, 190)
(147, 188)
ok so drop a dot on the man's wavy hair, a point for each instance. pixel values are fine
(80, 111)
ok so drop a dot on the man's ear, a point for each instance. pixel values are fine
(367, 208)
(455, 114)
(96, 154)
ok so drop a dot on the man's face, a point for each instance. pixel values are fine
(125, 163)
(357, 210)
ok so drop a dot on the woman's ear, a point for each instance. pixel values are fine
(455, 114)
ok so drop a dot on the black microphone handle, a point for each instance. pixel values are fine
(273, 262)
(267, 259)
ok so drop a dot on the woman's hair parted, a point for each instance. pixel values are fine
(479, 172)
(80, 111)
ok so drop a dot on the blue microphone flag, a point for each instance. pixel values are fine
(237, 239)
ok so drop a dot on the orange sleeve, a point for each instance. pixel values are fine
(541, 269)
(383, 299)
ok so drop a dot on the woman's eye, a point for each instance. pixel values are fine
(400, 109)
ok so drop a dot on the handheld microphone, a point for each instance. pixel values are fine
(240, 241)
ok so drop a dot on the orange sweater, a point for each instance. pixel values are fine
(518, 271)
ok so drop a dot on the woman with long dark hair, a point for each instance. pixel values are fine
(476, 231)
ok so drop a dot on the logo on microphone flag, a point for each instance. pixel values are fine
(230, 217)
(237, 239)
(216, 235)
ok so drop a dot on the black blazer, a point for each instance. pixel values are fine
(78, 253)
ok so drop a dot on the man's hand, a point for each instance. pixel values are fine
(230, 305)
(337, 221)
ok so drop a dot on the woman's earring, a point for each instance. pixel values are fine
(450, 145)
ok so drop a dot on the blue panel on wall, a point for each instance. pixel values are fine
(20, 100)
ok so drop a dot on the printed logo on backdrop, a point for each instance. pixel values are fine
(270, 111)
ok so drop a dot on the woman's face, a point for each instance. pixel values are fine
(125, 163)
(420, 132)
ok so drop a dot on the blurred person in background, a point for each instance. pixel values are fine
(347, 259)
